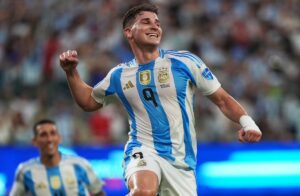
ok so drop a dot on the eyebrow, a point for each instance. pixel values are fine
(148, 19)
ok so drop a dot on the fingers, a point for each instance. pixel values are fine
(241, 135)
(249, 136)
(68, 54)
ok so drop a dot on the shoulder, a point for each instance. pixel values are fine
(75, 160)
(179, 53)
(184, 56)
(28, 165)
(119, 67)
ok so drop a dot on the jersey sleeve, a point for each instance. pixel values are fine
(18, 188)
(95, 184)
(104, 88)
(201, 75)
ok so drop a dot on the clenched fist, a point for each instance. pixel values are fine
(249, 135)
(68, 60)
(250, 131)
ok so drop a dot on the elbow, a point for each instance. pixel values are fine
(89, 107)
(86, 109)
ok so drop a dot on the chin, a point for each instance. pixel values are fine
(152, 44)
(51, 154)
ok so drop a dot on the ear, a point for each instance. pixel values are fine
(127, 33)
(33, 141)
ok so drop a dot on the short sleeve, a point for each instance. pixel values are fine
(95, 184)
(206, 81)
(200, 74)
(18, 188)
(104, 88)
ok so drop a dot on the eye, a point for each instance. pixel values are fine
(53, 133)
(43, 134)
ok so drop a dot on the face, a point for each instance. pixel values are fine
(145, 30)
(47, 139)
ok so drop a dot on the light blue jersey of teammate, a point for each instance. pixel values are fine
(73, 176)
(158, 97)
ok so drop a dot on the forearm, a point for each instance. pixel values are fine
(81, 92)
(228, 105)
(235, 112)
(232, 109)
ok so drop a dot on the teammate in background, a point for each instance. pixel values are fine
(157, 89)
(54, 174)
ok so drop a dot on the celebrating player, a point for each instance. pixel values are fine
(157, 88)
(54, 174)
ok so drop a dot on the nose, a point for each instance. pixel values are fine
(49, 138)
(154, 26)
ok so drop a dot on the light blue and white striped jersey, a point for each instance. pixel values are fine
(73, 176)
(158, 97)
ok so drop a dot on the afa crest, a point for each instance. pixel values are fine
(145, 77)
(163, 75)
(55, 182)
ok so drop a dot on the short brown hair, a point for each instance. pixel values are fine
(130, 15)
(41, 122)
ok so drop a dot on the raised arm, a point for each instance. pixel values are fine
(81, 91)
(235, 112)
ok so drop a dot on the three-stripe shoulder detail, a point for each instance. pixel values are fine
(185, 55)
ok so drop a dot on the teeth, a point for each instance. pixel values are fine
(153, 35)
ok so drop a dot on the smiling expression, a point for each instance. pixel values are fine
(145, 30)
(47, 139)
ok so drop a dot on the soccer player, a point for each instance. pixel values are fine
(157, 89)
(54, 174)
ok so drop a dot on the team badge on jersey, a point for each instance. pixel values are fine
(41, 185)
(145, 77)
(70, 182)
(55, 182)
(163, 75)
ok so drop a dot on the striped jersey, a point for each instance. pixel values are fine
(73, 176)
(158, 97)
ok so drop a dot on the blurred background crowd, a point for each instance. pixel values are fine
(253, 47)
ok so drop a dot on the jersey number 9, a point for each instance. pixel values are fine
(149, 96)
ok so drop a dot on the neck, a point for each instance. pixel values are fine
(50, 160)
(146, 54)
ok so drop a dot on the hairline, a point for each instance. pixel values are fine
(134, 20)
(42, 122)
(131, 14)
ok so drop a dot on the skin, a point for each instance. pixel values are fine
(47, 141)
(144, 36)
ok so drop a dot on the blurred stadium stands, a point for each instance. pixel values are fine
(253, 47)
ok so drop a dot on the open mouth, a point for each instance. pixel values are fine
(50, 146)
(152, 35)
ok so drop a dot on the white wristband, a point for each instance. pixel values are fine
(248, 123)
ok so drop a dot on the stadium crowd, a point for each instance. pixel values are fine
(253, 47)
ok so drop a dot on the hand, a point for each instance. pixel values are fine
(68, 60)
(249, 135)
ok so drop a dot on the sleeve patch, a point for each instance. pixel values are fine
(207, 74)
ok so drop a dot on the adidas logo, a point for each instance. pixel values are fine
(128, 85)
